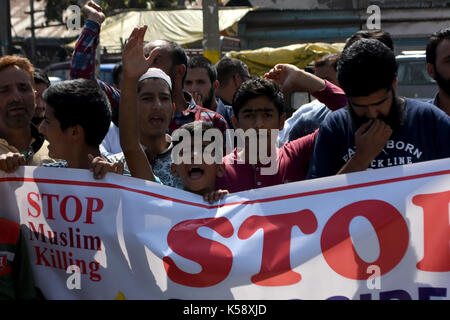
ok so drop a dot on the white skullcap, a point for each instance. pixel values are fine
(156, 73)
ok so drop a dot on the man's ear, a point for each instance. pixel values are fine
(180, 71)
(36, 94)
(237, 80)
(235, 122)
(76, 133)
(395, 83)
(216, 84)
(431, 70)
(220, 170)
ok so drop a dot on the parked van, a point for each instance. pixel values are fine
(413, 78)
(61, 70)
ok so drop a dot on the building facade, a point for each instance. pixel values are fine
(277, 23)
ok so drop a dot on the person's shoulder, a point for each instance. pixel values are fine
(9, 231)
(313, 105)
(208, 111)
(317, 113)
(420, 108)
(304, 109)
(418, 103)
(338, 117)
(209, 115)
(301, 146)
(220, 102)
(8, 224)
(342, 112)
(228, 108)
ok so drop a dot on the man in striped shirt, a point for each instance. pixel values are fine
(172, 59)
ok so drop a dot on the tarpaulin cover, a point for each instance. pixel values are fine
(260, 61)
(180, 26)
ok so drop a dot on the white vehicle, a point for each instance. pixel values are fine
(413, 78)
(54, 79)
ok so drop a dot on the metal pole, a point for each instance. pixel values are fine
(180, 4)
(33, 36)
(211, 35)
(5, 28)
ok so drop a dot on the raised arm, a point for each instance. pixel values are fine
(134, 65)
(82, 64)
(83, 58)
(290, 78)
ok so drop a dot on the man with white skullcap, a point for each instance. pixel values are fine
(148, 95)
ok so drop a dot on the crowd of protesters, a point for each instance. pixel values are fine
(356, 122)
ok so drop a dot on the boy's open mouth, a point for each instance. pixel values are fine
(155, 120)
(195, 172)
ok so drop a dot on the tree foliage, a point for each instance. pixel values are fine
(164, 4)
(54, 8)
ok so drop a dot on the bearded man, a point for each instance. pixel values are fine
(438, 67)
(377, 129)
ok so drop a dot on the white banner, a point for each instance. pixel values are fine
(378, 234)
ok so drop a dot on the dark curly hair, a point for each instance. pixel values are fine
(256, 88)
(366, 67)
(435, 40)
(81, 102)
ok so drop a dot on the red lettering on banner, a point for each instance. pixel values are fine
(215, 258)
(60, 259)
(90, 210)
(63, 208)
(34, 204)
(436, 231)
(36, 231)
(391, 229)
(50, 204)
(275, 265)
(68, 213)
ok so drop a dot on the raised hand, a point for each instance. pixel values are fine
(134, 62)
(291, 78)
(197, 98)
(93, 11)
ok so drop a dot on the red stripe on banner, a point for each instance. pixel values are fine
(291, 196)
(100, 185)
